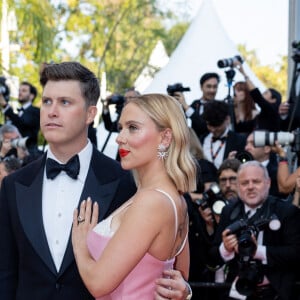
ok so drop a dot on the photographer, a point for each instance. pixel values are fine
(27, 120)
(209, 83)
(220, 140)
(9, 133)
(273, 262)
(118, 100)
(268, 118)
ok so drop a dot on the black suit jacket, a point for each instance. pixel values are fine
(198, 122)
(282, 246)
(27, 270)
(28, 124)
(234, 142)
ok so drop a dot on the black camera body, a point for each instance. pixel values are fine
(212, 198)
(229, 62)
(4, 89)
(118, 100)
(177, 87)
(250, 270)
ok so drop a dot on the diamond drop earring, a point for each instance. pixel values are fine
(162, 152)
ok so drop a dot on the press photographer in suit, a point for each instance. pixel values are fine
(270, 238)
(27, 120)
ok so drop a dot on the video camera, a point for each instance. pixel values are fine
(212, 198)
(250, 271)
(4, 89)
(267, 138)
(177, 87)
(229, 62)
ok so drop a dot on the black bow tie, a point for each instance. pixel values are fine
(53, 168)
(222, 139)
(20, 109)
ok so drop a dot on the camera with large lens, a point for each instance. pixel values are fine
(212, 198)
(229, 62)
(4, 89)
(177, 87)
(267, 138)
(250, 270)
(24, 142)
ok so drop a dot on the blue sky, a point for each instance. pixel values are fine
(260, 24)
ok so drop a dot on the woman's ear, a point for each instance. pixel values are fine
(167, 137)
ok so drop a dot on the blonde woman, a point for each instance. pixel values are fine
(123, 256)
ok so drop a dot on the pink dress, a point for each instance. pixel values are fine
(140, 282)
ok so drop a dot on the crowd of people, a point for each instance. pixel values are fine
(197, 212)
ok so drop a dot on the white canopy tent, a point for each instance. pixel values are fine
(204, 43)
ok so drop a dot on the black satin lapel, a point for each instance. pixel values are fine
(103, 194)
(29, 203)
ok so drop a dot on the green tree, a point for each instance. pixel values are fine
(112, 36)
(35, 35)
(272, 76)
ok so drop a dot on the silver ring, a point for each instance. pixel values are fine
(80, 219)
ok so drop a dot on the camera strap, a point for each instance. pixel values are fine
(264, 211)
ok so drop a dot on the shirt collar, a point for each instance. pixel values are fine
(26, 105)
(84, 155)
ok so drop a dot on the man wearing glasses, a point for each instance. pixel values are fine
(227, 174)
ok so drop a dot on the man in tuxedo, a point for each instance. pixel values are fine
(37, 202)
(209, 83)
(275, 255)
(27, 120)
(220, 140)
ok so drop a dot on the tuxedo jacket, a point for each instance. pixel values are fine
(282, 246)
(198, 122)
(27, 270)
(28, 124)
(234, 142)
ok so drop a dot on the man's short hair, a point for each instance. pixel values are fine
(208, 76)
(229, 163)
(32, 88)
(89, 84)
(215, 112)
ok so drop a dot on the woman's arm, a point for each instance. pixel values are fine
(286, 181)
(141, 227)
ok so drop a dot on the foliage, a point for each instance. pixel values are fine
(271, 76)
(115, 36)
(174, 35)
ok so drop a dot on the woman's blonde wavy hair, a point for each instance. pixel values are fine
(166, 112)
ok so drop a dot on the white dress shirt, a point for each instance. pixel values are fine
(217, 148)
(60, 197)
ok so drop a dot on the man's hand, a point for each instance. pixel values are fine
(171, 286)
(230, 241)
(283, 109)
(180, 97)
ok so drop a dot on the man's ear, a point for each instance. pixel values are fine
(91, 114)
